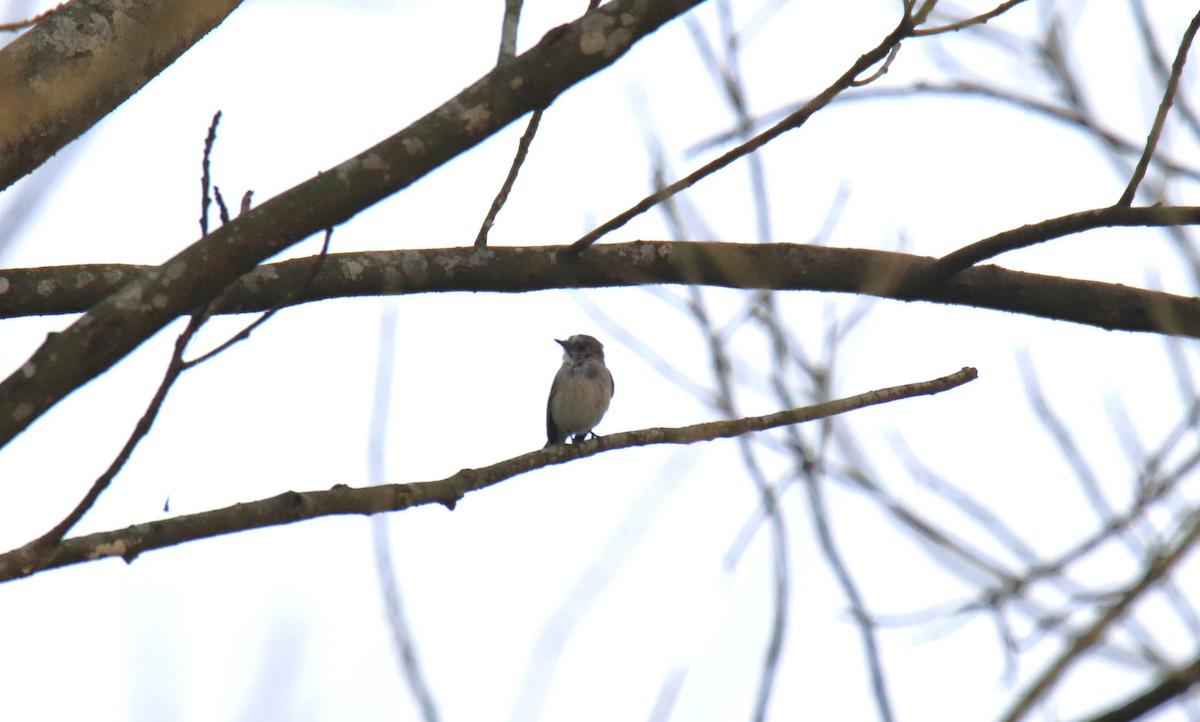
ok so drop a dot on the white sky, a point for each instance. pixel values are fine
(287, 623)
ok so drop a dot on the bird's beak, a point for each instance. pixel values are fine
(561, 343)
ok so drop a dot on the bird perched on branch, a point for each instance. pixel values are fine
(581, 391)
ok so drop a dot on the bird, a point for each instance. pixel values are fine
(580, 393)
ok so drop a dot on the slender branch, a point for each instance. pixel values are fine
(175, 367)
(880, 71)
(291, 507)
(222, 209)
(45, 544)
(508, 49)
(968, 22)
(508, 30)
(511, 179)
(1158, 63)
(1173, 684)
(951, 264)
(1160, 118)
(317, 263)
(1072, 117)
(796, 119)
(29, 22)
(205, 175)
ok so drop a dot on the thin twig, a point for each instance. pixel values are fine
(1160, 118)
(175, 367)
(42, 546)
(971, 89)
(791, 122)
(222, 209)
(975, 20)
(879, 73)
(508, 30)
(30, 22)
(1158, 64)
(522, 150)
(244, 334)
(205, 177)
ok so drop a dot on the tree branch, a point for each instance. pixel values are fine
(1115, 216)
(88, 57)
(294, 506)
(881, 53)
(1174, 684)
(778, 266)
(1160, 118)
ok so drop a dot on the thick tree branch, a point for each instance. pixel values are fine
(83, 60)
(294, 506)
(780, 266)
(117, 325)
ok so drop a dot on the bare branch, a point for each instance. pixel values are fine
(791, 122)
(29, 22)
(175, 367)
(205, 176)
(947, 266)
(882, 71)
(45, 544)
(1160, 118)
(291, 507)
(222, 209)
(1172, 685)
(1158, 64)
(974, 20)
(778, 266)
(506, 187)
(508, 30)
(317, 263)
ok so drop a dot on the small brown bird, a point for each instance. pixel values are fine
(580, 393)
